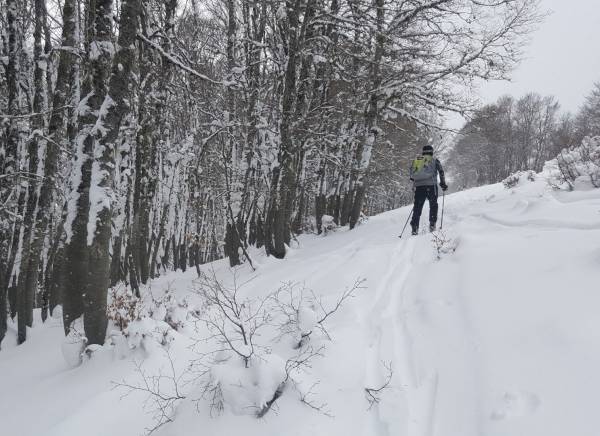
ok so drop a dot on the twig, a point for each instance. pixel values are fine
(373, 395)
(162, 405)
(37, 114)
(177, 62)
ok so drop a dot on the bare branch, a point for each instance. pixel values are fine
(373, 395)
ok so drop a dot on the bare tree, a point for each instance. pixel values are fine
(507, 136)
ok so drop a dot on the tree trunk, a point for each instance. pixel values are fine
(78, 290)
(117, 104)
(278, 221)
(29, 265)
(370, 129)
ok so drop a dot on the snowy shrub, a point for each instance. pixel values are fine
(236, 369)
(577, 167)
(233, 322)
(246, 387)
(514, 179)
(143, 335)
(243, 374)
(148, 334)
(328, 224)
(134, 328)
(171, 310)
(363, 217)
(144, 325)
(296, 312)
(73, 345)
(511, 181)
(123, 307)
(300, 312)
(443, 244)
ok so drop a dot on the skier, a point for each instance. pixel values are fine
(424, 175)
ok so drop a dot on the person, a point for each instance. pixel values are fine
(424, 175)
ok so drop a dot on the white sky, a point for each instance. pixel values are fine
(563, 58)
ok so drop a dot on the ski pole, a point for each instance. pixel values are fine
(443, 201)
(407, 220)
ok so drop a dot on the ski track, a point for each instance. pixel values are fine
(399, 332)
(390, 330)
(379, 326)
(541, 223)
(420, 410)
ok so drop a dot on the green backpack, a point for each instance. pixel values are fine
(423, 168)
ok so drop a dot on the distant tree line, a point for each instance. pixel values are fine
(512, 135)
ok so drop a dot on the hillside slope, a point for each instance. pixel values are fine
(499, 336)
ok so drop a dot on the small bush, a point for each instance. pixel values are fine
(171, 310)
(124, 307)
(443, 244)
(514, 179)
(577, 165)
(328, 224)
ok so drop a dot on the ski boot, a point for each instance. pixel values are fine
(415, 230)
(431, 228)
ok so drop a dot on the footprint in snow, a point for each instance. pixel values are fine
(515, 404)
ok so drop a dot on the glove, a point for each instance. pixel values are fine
(443, 186)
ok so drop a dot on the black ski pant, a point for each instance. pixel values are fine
(423, 193)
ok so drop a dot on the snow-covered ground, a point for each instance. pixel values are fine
(499, 338)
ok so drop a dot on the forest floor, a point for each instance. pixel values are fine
(498, 334)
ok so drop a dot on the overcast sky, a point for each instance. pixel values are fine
(563, 58)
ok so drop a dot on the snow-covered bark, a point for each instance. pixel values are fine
(114, 109)
(28, 268)
(10, 208)
(79, 298)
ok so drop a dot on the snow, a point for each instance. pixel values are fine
(99, 200)
(73, 345)
(281, 13)
(307, 319)
(497, 336)
(100, 48)
(244, 395)
(99, 195)
(74, 182)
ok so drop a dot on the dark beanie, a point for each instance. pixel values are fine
(428, 149)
